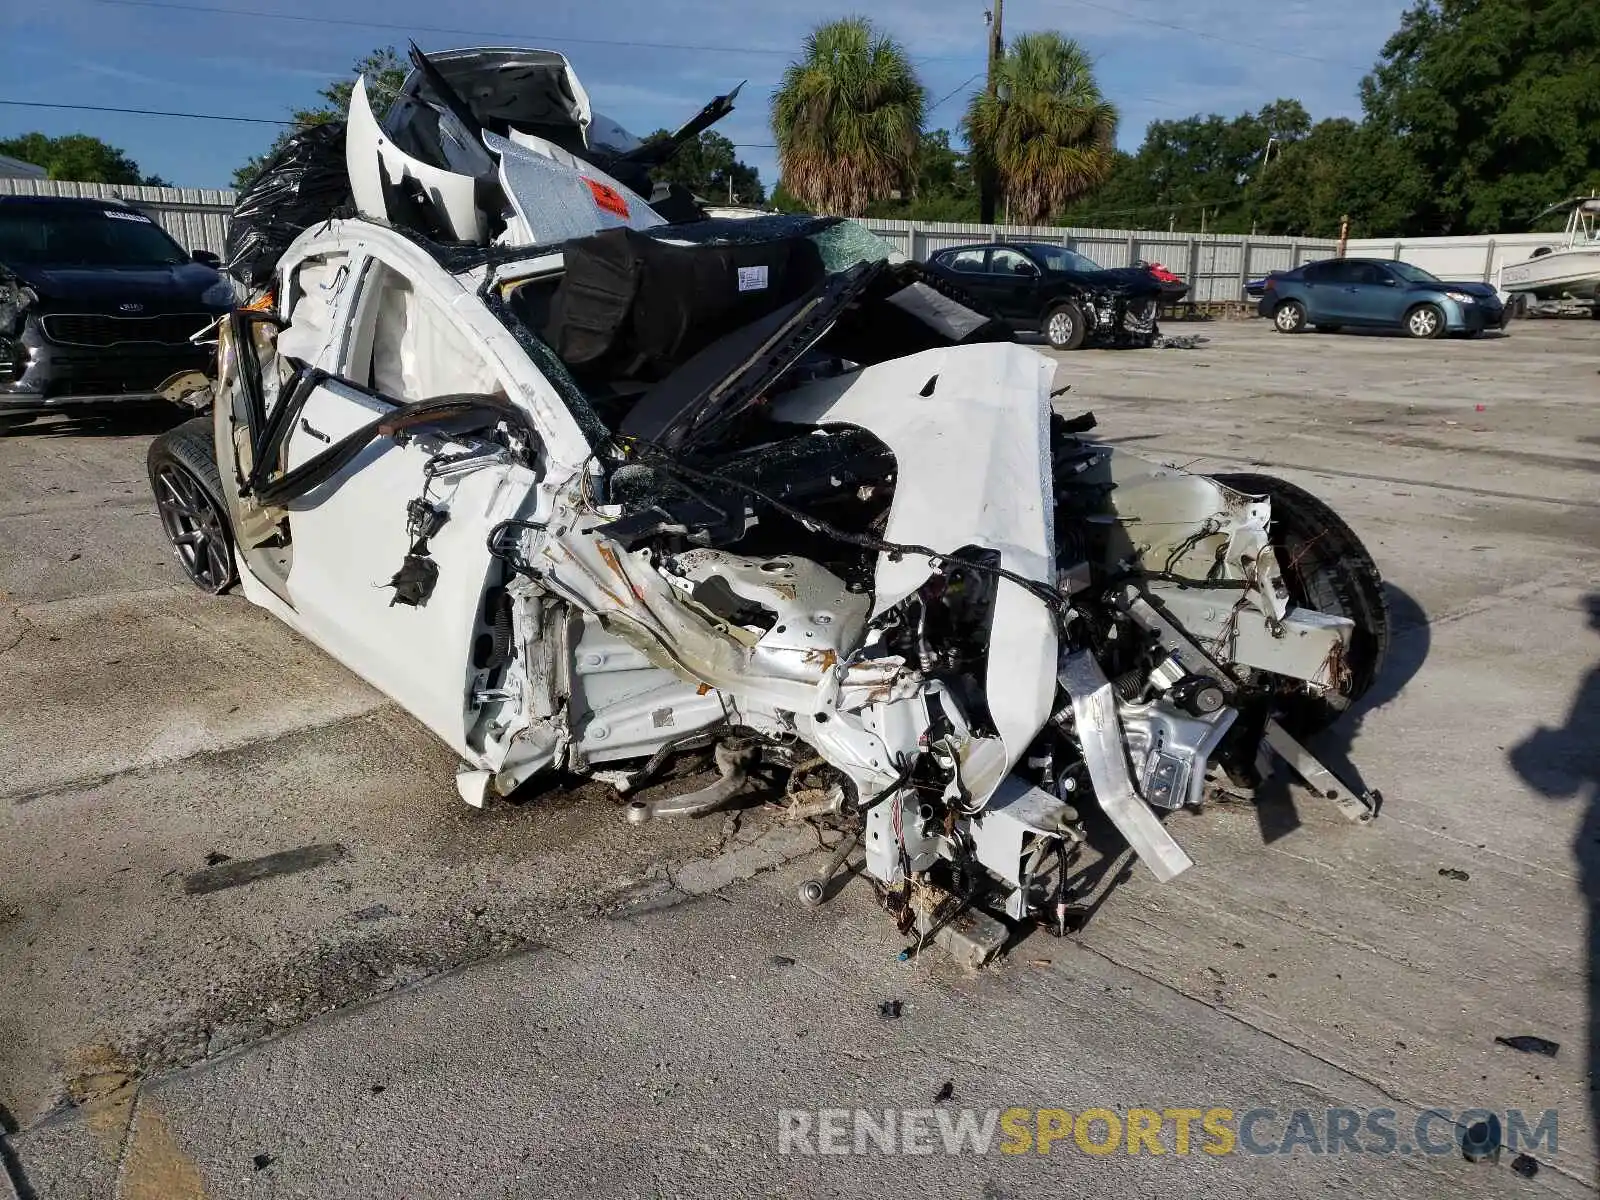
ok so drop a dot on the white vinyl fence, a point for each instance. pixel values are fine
(1478, 259)
(1216, 267)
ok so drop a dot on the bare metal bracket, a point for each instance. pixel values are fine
(1360, 809)
(733, 764)
(1094, 705)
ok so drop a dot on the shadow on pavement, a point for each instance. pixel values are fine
(1564, 764)
(127, 420)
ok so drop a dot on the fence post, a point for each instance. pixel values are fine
(1294, 255)
(1488, 262)
(1133, 250)
(1194, 264)
(1244, 266)
(913, 250)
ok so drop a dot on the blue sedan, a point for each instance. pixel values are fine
(1378, 294)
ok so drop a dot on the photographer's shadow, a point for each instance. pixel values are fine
(1564, 764)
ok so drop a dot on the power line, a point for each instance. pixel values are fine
(145, 112)
(938, 103)
(1215, 37)
(354, 23)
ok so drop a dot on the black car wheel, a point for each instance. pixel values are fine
(188, 490)
(1425, 321)
(1289, 317)
(1325, 567)
(1064, 328)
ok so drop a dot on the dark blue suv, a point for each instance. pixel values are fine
(98, 306)
(1378, 294)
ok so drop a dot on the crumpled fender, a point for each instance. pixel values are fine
(969, 427)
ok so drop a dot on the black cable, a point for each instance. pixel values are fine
(145, 112)
(507, 554)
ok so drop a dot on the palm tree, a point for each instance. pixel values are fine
(1046, 134)
(848, 118)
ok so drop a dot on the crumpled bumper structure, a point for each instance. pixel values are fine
(752, 488)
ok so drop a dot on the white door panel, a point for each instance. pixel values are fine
(350, 537)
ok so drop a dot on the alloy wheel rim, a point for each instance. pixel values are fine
(1060, 327)
(1287, 318)
(1423, 322)
(194, 527)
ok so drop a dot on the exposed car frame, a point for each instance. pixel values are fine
(943, 616)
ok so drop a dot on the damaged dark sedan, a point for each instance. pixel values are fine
(1070, 299)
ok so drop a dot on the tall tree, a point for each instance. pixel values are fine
(1210, 163)
(79, 158)
(847, 118)
(709, 167)
(944, 189)
(385, 71)
(1047, 133)
(1491, 107)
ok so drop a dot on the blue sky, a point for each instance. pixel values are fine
(162, 54)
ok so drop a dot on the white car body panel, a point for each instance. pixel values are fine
(974, 461)
(582, 610)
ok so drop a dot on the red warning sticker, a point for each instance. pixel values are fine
(607, 197)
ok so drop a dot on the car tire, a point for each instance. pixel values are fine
(188, 490)
(1328, 328)
(1326, 567)
(1289, 317)
(1425, 321)
(1064, 327)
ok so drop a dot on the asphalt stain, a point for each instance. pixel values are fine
(238, 871)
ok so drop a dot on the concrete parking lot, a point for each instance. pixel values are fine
(541, 1000)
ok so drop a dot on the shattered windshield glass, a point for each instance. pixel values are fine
(841, 243)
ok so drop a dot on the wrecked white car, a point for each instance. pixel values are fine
(581, 488)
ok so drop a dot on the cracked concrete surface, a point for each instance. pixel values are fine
(539, 999)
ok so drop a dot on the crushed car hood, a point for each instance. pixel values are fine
(1131, 281)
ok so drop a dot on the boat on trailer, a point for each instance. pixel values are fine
(1569, 269)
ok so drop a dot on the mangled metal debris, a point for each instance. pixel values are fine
(644, 486)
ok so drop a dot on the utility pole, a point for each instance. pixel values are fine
(997, 48)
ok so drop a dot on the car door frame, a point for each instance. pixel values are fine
(1018, 304)
(430, 676)
(1322, 292)
(977, 283)
(1390, 298)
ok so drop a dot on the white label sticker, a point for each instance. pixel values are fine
(752, 279)
(118, 215)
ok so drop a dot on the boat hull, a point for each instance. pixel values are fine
(1570, 274)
